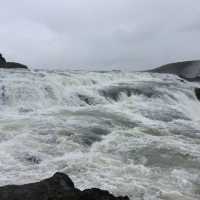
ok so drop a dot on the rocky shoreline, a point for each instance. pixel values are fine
(57, 187)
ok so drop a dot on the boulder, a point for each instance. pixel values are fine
(58, 187)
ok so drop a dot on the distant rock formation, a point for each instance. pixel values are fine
(58, 187)
(10, 65)
(189, 70)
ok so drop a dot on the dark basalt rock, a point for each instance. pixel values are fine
(10, 65)
(58, 187)
(189, 70)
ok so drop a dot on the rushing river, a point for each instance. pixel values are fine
(135, 134)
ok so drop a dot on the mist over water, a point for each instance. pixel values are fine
(135, 134)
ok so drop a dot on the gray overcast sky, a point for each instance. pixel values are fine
(99, 34)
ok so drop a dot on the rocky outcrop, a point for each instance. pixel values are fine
(58, 187)
(189, 70)
(10, 65)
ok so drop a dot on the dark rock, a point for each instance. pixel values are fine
(2, 60)
(189, 70)
(89, 194)
(10, 65)
(14, 65)
(97, 194)
(59, 183)
(197, 93)
(58, 187)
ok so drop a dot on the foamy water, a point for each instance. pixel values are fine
(135, 134)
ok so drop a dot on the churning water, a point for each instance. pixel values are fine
(135, 134)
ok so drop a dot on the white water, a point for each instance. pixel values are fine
(135, 134)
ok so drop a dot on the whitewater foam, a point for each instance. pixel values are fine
(135, 134)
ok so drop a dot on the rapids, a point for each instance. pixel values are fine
(132, 133)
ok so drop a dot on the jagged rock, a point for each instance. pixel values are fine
(10, 65)
(58, 187)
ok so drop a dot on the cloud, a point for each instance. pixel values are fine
(99, 34)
